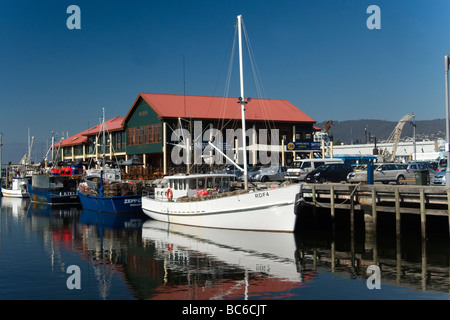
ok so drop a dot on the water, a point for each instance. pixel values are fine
(124, 257)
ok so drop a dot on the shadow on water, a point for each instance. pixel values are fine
(405, 259)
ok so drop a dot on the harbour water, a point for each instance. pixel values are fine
(45, 253)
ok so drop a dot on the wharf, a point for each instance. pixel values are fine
(424, 200)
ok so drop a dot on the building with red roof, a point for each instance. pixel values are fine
(82, 146)
(151, 130)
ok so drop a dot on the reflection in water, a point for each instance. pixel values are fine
(130, 257)
(204, 263)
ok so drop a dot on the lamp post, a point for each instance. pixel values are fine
(447, 125)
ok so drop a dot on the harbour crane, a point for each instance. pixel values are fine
(394, 138)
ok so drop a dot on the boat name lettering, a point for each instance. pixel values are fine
(261, 194)
(68, 193)
(128, 201)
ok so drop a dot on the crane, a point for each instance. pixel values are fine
(394, 138)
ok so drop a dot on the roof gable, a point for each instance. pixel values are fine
(114, 124)
(207, 107)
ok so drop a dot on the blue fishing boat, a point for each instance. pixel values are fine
(117, 202)
(54, 189)
(106, 192)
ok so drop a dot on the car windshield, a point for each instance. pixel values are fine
(322, 168)
(256, 168)
(269, 169)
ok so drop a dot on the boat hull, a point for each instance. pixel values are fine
(268, 210)
(117, 204)
(53, 197)
(14, 193)
(18, 188)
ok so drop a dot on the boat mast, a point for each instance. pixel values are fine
(243, 102)
(104, 138)
(100, 190)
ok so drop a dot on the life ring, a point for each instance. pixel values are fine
(169, 194)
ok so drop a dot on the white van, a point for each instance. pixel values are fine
(301, 167)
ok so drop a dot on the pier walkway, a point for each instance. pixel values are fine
(424, 200)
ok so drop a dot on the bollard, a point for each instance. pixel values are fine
(370, 173)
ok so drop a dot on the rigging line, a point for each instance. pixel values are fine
(184, 86)
(232, 40)
(174, 131)
(232, 118)
(258, 82)
(228, 78)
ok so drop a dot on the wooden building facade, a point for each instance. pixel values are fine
(150, 132)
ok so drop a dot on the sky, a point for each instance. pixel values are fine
(320, 55)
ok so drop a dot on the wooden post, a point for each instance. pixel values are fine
(448, 210)
(422, 213)
(397, 212)
(398, 233)
(374, 209)
(332, 201)
(352, 214)
(352, 229)
(313, 191)
(374, 216)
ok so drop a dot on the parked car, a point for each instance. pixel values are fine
(231, 169)
(383, 172)
(302, 167)
(271, 173)
(333, 172)
(442, 165)
(419, 165)
(439, 178)
(251, 171)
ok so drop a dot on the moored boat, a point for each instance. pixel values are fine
(209, 201)
(17, 188)
(15, 182)
(114, 197)
(54, 189)
(104, 191)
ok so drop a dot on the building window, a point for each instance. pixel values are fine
(144, 135)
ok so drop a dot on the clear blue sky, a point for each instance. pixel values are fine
(318, 54)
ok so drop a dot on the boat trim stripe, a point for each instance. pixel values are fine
(181, 214)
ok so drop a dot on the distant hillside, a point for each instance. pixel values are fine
(354, 130)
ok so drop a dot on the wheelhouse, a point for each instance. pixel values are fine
(177, 186)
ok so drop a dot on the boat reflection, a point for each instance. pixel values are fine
(204, 263)
(15, 206)
(112, 220)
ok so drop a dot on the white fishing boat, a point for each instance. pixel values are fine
(17, 176)
(17, 188)
(209, 201)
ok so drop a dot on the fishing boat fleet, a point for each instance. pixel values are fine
(203, 200)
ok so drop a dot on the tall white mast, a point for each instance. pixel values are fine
(104, 138)
(243, 102)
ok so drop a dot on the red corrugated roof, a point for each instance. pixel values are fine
(113, 124)
(206, 107)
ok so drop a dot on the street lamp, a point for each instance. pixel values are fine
(447, 144)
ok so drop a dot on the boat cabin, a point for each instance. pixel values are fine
(192, 186)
